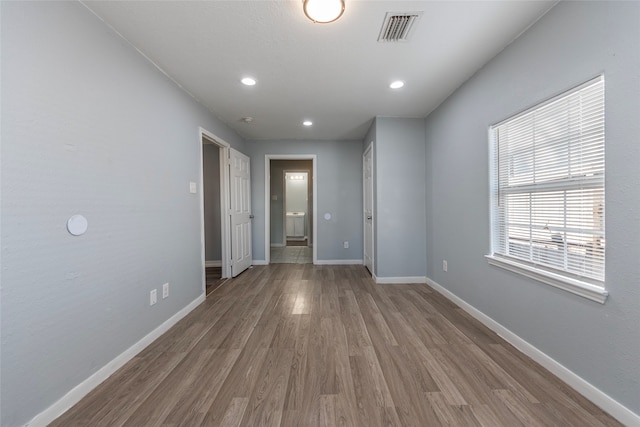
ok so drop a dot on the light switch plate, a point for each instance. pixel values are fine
(165, 290)
(192, 187)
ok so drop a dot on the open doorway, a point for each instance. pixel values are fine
(214, 203)
(297, 208)
(290, 197)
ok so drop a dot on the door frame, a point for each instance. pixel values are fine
(267, 200)
(284, 204)
(225, 225)
(373, 210)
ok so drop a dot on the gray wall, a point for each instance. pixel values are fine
(339, 179)
(399, 211)
(212, 217)
(277, 189)
(574, 42)
(89, 127)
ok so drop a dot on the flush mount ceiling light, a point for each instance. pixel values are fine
(307, 123)
(397, 84)
(248, 81)
(323, 11)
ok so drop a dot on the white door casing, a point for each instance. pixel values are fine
(367, 178)
(240, 179)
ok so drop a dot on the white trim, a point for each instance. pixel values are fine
(583, 289)
(338, 262)
(213, 263)
(598, 397)
(267, 200)
(259, 262)
(278, 245)
(81, 390)
(400, 280)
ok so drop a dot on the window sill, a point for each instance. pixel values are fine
(583, 289)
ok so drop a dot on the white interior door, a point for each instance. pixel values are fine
(367, 170)
(240, 179)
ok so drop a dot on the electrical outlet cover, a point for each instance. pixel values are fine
(165, 290)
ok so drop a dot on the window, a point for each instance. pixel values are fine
(547, 182)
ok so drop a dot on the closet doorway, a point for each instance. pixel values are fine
(215, 225)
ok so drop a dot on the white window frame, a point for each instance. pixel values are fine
(590, 288)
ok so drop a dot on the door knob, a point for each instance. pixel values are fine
(369, 217)
(250, 216)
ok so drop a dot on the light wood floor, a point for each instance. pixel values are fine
(305, 345)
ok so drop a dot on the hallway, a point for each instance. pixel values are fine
(292, 255)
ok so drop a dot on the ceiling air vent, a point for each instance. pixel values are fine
(397, 27)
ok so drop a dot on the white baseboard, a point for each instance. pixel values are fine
(338, 262)
(598, 397)
(399, 280)
(82, 389)
(213, 263)
(259, 262)
(278, 245)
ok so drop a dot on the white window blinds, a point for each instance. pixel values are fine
(548, 185)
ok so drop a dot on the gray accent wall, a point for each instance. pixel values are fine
(399, 188)
(89, 127)
(339, 180)
(573, 43)
(212, 212)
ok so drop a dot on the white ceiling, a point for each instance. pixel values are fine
(336, 75)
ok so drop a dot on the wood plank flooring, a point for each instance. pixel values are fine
(213, 279)
(305, 345)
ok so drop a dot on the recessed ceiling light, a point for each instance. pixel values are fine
(248, 81)
(307, 123)
(397, 84)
